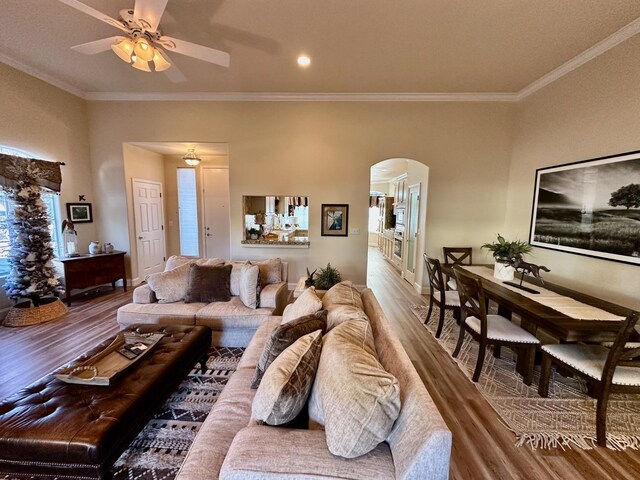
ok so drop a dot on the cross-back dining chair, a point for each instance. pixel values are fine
(438, 295)
(488, 329)
(456, 256)
(606, 370)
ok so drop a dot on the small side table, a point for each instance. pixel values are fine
(301, 287)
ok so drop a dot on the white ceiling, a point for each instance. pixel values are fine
(387, 170)
(180, 148)
(356, 46)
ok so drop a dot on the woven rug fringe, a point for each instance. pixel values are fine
(585, 442)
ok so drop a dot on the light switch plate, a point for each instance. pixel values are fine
(354, 231)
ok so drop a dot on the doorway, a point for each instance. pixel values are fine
(149, 225)
(215, 182)
(412, 233)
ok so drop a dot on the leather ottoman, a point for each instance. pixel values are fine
(60, 429)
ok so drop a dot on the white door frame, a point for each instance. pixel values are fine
(137, 235)
(410, 276)
(203, 222)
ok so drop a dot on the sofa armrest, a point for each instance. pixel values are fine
(275, 296)
(144, 294)
(262, 452)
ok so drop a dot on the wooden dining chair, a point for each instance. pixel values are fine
(438, 295)
(606, 370)
(456, 256)
(487, 329)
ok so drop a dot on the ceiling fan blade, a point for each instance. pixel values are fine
(150, 12)
(97, 46)
(94, 13)
(173, 73)
(197, 51)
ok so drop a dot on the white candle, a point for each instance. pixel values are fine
(71, 248)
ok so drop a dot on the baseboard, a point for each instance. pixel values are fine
(420, 289)
(134, 282)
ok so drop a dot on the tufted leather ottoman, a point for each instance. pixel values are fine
(60, 429)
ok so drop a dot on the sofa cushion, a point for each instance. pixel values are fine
(175, 261)
(170, 286)
(231, 314)
(284, 336)
(208, 284)
(177, 313)
(285, 386)
(236, 272)
(248, 285)
(342, 313)
(252, 354)
(270, 270)
(343, 293)
(355, 398)
(305, 304)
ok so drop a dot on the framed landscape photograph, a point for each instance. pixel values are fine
(335, 220)
(590, 208)
(79, 212)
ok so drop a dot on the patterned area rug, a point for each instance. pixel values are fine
(565, 419)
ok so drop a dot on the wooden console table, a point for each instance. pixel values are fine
(93, 270)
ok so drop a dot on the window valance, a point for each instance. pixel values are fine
(12, 169)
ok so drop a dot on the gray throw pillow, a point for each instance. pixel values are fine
(285, 387)
(209, 284)
(285, 335)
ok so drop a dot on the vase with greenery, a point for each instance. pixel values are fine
(503, 251)
(253, 233)
(327, 277)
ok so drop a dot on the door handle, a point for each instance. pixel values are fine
(140, 238)
(209, 235)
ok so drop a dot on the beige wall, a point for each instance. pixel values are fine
(592, 112)
(51, 124)
(324, 151)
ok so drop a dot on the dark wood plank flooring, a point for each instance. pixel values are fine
(482, 447)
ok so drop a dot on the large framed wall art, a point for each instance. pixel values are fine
(590, 208)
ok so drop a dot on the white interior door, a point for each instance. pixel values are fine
(412, 232)
(215, 183)
(149, 223)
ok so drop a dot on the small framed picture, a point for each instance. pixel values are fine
(335, 220)
(79, 212)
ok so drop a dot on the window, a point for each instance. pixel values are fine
(51, 201)
(188, 212)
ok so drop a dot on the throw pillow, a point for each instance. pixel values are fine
(355, 398)
(248, 285)
(211, 262)
(285, 387)
(236, 273)
(305, 304)
(270, 271)
(175, 261)
(208, 284)
(343, 293)
(283, 336)
(341, 313)
(170, 286)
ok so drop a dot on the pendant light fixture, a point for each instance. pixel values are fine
(190, 158)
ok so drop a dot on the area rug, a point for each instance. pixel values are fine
(159, 450)
(565, 419)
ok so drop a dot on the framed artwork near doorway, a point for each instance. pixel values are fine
(335, 220)
(79, 212)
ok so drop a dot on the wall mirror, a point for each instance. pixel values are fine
(276, 220)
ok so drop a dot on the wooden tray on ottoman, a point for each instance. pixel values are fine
(105, 367)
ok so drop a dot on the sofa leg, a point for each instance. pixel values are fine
(203, 363)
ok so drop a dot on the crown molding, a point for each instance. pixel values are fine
(34, 72)
(301, 97)
(625, 33)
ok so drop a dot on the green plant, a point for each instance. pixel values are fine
(327, 278)
(253, 231)
(503, 251)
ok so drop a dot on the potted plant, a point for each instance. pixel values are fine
(253, 233)
(327, 278)
(503, 251)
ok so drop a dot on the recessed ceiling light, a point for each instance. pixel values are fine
(304, 61)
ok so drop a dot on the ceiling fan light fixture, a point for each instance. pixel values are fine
(304, 61)
(124, 49)
(143, 49)
(160, 62)
(140, 64)
(191, 158)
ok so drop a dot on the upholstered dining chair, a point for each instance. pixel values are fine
(606, 370)
(438, 295)
(456, 256)
(487, 329)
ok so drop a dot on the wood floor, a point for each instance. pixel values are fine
(482, 447)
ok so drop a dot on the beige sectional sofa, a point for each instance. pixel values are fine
(231, 446)
(232, 323)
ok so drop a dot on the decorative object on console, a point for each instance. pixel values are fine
(519, 264)
(69, 239)
(140, 47)
(575, 208)
(191, 158)
(79, 212)
(335, 220)
(309, 282)
(327, 277)
(95, 248)
(107, 248)
(503, 252)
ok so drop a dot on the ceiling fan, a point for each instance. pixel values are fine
(143, 45)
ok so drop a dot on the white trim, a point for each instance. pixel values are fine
(589, 54)
(45, 77)
(301, 97)
(134, 282)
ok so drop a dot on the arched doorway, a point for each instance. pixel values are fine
(398, 216)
